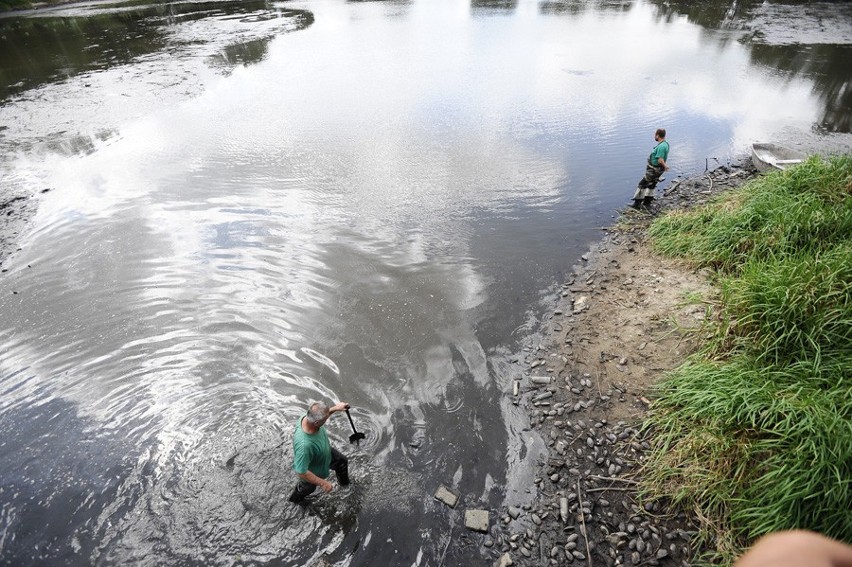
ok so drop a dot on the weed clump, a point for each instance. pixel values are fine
(755, 432)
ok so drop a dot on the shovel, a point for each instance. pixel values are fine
(355, 437)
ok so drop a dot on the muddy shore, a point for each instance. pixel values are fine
(623, 318)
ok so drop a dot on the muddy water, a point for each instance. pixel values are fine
(255, 205)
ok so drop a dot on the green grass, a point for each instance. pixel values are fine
(793, 308)
(755, 433)
(776, 215)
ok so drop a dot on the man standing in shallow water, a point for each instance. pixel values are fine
(313, 455)
(655, 168)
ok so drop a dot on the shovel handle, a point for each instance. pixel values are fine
(352, 423)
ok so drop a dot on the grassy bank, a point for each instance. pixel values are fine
(755, 432)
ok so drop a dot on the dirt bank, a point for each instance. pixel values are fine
(625, 317)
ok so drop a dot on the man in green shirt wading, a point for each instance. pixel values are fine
(313, 455)
(655, 168)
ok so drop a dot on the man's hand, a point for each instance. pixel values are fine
(314, 479)
(339, 406)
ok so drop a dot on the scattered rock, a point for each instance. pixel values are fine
(446, 496)
(476, 520)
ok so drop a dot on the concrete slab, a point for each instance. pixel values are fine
(476, 520)
(446, 496)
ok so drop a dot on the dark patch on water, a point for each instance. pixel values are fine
(55, 468)
(818, 47)
(61, 44)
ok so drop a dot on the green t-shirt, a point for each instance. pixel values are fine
(661, 150)
(311, 452)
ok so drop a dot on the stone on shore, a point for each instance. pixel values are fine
(563, 509)
(476, 520)
(446, 496)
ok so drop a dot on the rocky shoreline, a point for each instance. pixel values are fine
(624, 317)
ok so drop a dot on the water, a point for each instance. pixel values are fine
(256, 205)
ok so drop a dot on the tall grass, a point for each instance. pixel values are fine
(795, 307)
(755, 433)
(801, 210)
